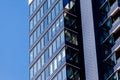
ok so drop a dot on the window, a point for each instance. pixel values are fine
(35, 20)
(46, 56)
(62, 37)
(57, 9)
(53, 14)
(64, 73)
(60, 76)
(57, 25)
(31, 56)
(31, 9)
(34, 4)
(42, 27)
(35, 68)
(41, 11)
(46, 38)
(51, 68)
(42, 59)
(31, 40)
(59, 59)
(46, 73)
(74, 39)
(54, 46)
(39, 64)
(42, 43)
(49, 3)
(71, 37)
(55, 64)
(58, 42)
(38, 2)
(61, 4)
(50, 51)
(31, 24)
(50, 35)
(49, 18)
(63, 53)
(35, 52)
(35, 36)
(38, 32)
(43, 75)
(52, 1)
(61, 21)
(53, 30)
(31, 73)
(46, 23)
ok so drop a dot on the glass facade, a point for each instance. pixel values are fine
(110, 43)
(56, 51)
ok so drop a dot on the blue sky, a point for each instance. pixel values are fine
(14, 59)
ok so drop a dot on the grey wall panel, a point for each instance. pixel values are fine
(91, 69)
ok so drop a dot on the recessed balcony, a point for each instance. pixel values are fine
(114, 7)
(115, 25)
(117, 45)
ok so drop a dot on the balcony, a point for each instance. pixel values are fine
(114, 7)
(117, 45)
(115, 25)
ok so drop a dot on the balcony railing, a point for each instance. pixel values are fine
(115, 25)
(114, 7)
(117, 44)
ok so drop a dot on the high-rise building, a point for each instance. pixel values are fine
(107, 27)
(74, 39)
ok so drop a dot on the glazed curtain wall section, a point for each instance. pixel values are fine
(47, 54)
(47, 38)
(43, 10)
(51, 67)
(45, 24)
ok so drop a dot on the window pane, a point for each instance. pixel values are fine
(58, 42)
(53, 14)
(31, 40)
(51, 68)
(57, 25)
(55, 64)
(49, 3)
(74, 39)
(50, 35)
(42, 59)
(60, 76)
(45, 6)
(57, 9)
(31, 56)
(35, 20)
(61, 4)
(46, 38)
(62, 37)
(31, 9)
(31, 24)
(39, 64)
(35, 68)
(42, 43)
(35, 52)
(34, 4)
(41, 11)
(64, 73)
(46, 55)
(43, 75)
(34, 36)
(50, 51)
(42, 27)
(31, 73)
(53, 30)
(49, 18)
(54, 46)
